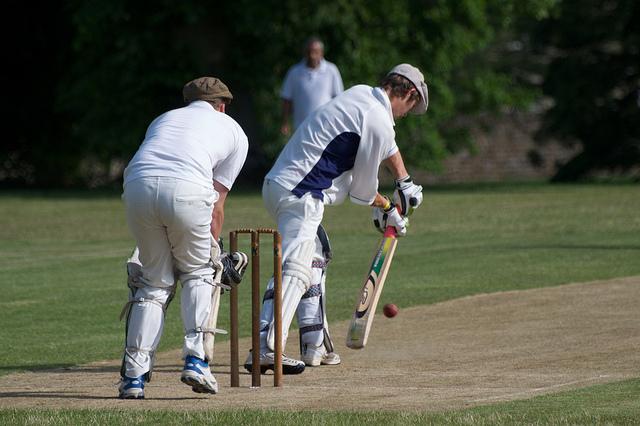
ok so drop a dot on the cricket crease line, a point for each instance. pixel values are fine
(546, 388)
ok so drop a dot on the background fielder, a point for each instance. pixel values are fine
(309, 84)
(333, 155)
(175, 188)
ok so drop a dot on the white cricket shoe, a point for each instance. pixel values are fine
(331, 358)
(314, 356)
(289, 365)
(196, 373)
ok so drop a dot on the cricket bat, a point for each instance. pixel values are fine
(365, 310)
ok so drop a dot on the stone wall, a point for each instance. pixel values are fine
(504, 150)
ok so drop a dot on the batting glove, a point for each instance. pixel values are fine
(390, 217)
(408, 195)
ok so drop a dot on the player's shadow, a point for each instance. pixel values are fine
(75, 395)
(33, 367)
(59, 368)
(217, 368)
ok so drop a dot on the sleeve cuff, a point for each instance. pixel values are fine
(392, 151)
(224, 182)
(361, 201)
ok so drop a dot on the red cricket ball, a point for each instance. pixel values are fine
(390, 310)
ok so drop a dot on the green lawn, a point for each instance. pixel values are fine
(63, 279)
(611, 404)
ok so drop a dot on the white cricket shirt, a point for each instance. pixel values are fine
(338, 149)
(194, 143)
(309, 88)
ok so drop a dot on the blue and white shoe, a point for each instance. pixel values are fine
(196, 373)
(131, 388)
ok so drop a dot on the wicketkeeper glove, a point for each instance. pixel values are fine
(390, 216)
(408, 195)
(234, 264)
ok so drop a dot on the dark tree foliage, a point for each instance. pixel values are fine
(594, 80)
(447, 39)
(37, 49)
(87, 77)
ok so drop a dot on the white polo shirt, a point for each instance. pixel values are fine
(194, 143)
(308, 88)
(339, 148)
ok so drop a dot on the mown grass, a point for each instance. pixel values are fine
(62, 278)
(610, 404)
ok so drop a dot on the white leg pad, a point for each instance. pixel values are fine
(310, 309)
(296, 280)
(315, 339)
(266, 315)
(144, 329)
(328, 342)
(195, 307)
(310, 314)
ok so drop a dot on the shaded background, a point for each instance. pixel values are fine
(83, 79)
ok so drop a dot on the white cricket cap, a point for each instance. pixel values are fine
(414, 75)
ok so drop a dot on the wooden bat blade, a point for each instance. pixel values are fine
(362, 319)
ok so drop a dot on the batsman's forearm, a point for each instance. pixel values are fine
(395, 164)
(217, 215)
(380, 201)
(217, 219)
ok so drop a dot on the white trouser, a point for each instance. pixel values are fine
(297, 220)
(170, 220)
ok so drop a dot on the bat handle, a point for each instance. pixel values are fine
(390, 232)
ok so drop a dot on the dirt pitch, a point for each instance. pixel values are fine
(465, 352)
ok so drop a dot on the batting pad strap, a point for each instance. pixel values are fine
(322, 236)
(130, 349)
(127, 306)
(222, 285)
(314, 291)
(134, 282)
(310, 328)
(207, 330)
(320, 264)
(268, 295)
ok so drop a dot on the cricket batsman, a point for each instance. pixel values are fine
(334, 154)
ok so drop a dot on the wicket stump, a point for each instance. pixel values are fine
(256, 303)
